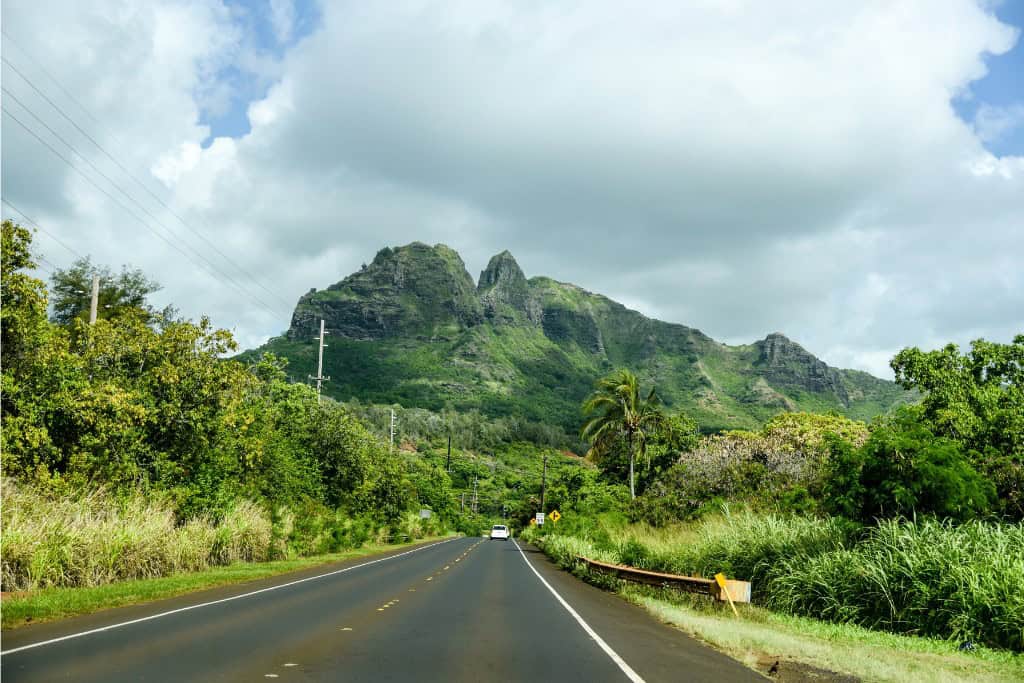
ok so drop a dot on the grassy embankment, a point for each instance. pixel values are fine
(75, 554)
(879, 590)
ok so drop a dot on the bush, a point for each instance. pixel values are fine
(903, 469)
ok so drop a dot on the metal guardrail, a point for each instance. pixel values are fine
(739, 591)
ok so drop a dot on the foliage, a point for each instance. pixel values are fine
(903, 470)
(976, 399)
(907, 576)
(91, 537)
(157, 408)
(123, 294)
(783, 464)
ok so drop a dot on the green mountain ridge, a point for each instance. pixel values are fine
(412, 327)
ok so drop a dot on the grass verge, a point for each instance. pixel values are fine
(760, 637)
(50, 604)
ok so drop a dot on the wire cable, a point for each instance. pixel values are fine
(118, 203)
(129, 174)
(42, 229)
(130, 197)
(211, 270)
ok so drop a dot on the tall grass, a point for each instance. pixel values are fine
(920, 576)
(964, 582)
(92, 538)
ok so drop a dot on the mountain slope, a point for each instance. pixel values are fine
(412, 327)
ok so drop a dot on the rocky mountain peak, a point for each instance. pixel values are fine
(417, 290)
(503, 289)
(502, 270)
(787, 364)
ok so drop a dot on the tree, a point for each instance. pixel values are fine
(119, 295)
(23, 305)
(621, 413)
(902, 470)
(977, 400)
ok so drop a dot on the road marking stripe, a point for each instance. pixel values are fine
(217, 602)
(619, 661)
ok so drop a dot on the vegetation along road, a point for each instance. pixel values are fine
(467, 609)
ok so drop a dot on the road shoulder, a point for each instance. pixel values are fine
(658, 652)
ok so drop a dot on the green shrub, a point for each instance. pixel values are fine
(903, 469)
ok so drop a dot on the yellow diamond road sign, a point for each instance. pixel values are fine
(555, 516)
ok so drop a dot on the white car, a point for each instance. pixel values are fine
(499, 531)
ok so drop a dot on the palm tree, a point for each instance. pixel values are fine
(621, 412)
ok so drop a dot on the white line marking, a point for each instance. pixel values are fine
(217, 602)
(619, 661)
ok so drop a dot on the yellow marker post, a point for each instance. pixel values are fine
(720, 578)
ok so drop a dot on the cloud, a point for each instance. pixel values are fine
(729, 165)
(994, 123)
(282, 17)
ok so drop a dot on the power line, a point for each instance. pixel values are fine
(129, 197)
(53, 78)
(125, 208)
(129, 174)
(213, 272)
(42, 229)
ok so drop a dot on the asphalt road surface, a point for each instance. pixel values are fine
(467, 609)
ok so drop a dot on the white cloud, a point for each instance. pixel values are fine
(739, 167)
(993, 123)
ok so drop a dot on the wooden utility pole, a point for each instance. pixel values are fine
(94, 304)
(543, 482)
(474, 496)
(320, 362)
(463, 509)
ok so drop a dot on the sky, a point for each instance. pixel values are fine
(850, 174)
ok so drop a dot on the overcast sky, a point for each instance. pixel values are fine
(848, 173)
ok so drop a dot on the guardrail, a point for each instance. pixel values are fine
(739, 591)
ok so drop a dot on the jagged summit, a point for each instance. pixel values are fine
(413, 327)
(502, 269)
(504, 291)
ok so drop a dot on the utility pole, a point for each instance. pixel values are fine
(543, 482)
(94, 304)
(448, 467)
(474, 496)
(392, 429)
(320, 362)
(463, 509)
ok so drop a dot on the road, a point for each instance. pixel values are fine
(467, 609)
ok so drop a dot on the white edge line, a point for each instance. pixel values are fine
(217, 602)
(619, 661)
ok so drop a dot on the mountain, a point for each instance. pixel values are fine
(412, 327)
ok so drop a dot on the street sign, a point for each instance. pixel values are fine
(555, 516)
(533, 522)
(540, 519)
